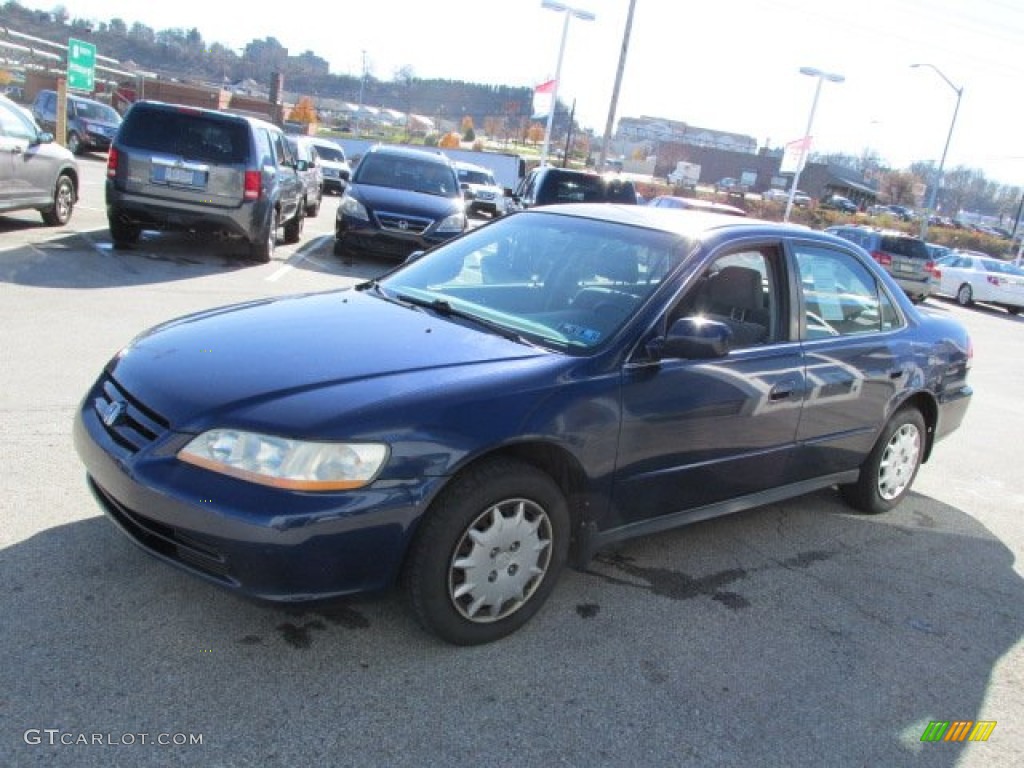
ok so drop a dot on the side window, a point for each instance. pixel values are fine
(741, 290)
(281, 154)
(14, 125)
(263, 147)
(841, 297)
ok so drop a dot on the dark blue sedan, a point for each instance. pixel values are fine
(545, 385)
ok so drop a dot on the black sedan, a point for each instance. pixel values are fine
(514, 400)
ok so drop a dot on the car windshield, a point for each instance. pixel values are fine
(410, 173)
(1001, 267)
(564, 282)
(95, 111)
(328, 152)
(476, 177)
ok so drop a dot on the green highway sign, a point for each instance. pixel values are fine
(81, 65)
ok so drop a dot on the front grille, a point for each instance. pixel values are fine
(189, 550)
(399, 222)
(135, 426)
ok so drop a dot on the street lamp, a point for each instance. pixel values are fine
(569, 13)
(942, 161)
(822, 77)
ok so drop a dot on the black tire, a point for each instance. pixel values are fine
(340, 249)
(313, 210)
(293, 229)
(518, 560)
(63, 202)
(1013, 310)
(889, 471)
(964, 295)
(262, 249)
(74, 143)
(123, 233)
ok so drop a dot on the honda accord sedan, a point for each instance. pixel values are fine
(514, 400)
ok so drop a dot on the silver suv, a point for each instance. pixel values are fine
(903, 256)
(35, 173)
(311, 174)
(184, 168)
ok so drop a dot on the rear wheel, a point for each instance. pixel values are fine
(890, 469)
(964, 295)
(122, 232)
(293, 229)
(63, 203)
(263, 248)
(488, 552)
(1013, 310)
(313, 210)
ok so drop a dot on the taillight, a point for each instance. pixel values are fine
(930, 268)
(882, 258)
(253, 185)
(111, 163)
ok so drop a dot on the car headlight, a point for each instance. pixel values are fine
(454, 223)
(298, 465)
(349, 206)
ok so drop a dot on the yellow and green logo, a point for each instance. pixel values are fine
(958, 730)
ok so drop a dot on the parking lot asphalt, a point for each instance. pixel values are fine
(798, 634)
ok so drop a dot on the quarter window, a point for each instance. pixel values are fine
(840, 296)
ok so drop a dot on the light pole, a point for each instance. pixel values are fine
(615, 90)
(569, 13)
(942, 161)
(822, 77)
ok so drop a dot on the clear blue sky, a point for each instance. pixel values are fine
(731, 66)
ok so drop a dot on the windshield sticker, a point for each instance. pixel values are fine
(579, 333)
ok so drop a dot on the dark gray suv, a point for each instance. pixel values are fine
(91, 124)
(903, 256)
(184, 168)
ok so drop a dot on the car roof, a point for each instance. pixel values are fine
(214, 113)
(436, 156)
(693, 225)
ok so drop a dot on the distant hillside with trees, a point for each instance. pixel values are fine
(185, 54)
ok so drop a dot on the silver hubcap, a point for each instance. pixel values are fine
(63, 201)
(500, 561)
(899, 462)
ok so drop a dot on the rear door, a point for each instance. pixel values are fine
(856, 361)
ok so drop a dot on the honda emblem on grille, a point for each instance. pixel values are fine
(112, 413)
(403, 224)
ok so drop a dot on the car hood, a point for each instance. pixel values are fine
(238, 359)
(405, 201)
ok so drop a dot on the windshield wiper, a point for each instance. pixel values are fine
(443, 307)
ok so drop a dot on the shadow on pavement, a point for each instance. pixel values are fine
(784, 636)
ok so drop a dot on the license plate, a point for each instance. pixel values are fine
(178, 176)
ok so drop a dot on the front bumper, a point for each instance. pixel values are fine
(362, 236)
(259, 541)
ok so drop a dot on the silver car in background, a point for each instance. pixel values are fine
(35, 173)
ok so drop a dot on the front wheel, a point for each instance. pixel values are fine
(63, 203)
(488, 552)
(74, 143)
(293, 229)
(890, 469)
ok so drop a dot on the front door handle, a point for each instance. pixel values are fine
(782, 391)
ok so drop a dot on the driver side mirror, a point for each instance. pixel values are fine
(693, 338)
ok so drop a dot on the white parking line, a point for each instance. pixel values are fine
(297, 258)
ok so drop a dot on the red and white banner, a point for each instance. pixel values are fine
(542, 96)
(795, 155)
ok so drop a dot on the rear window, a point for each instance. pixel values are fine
(905, 246)
(193, 136)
